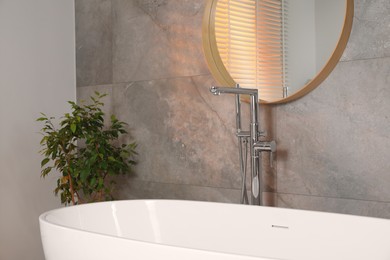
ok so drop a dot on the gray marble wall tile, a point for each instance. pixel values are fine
(335, 141)
(370, 32)
(186, 135)
(157, 39)
(332, 143)
(135, 189)
(181, 139)
(345, 206)
(93, 42)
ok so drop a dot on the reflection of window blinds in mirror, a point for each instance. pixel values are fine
(250, 37)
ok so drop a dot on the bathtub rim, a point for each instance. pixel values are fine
(43, 215)
(44, 221)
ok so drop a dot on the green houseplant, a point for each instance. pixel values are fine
(85, 152)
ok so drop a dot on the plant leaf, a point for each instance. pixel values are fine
(84, 174)
(64, 180)
(73, 128)
(44, 162)
(45, 172)
(93, 182)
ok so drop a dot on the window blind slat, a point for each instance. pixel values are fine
(250, 36)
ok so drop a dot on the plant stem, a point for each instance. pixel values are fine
(68, 172)
(79, 200)
(71, 186)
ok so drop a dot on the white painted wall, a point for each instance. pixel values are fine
(37, 73)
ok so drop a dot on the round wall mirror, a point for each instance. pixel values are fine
(284, 48)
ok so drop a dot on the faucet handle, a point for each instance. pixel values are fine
(270, 147)
(266, 146)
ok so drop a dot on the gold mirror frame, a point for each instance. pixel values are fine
(220, 73)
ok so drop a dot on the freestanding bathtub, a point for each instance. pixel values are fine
(187, 230)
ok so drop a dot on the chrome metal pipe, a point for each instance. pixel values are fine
(238, 111)
(248, 134)
(243, 134)
(242, 160)
(253, 134)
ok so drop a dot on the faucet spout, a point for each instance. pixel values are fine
(238, 91)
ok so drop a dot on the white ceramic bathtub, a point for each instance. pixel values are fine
(186, 230)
